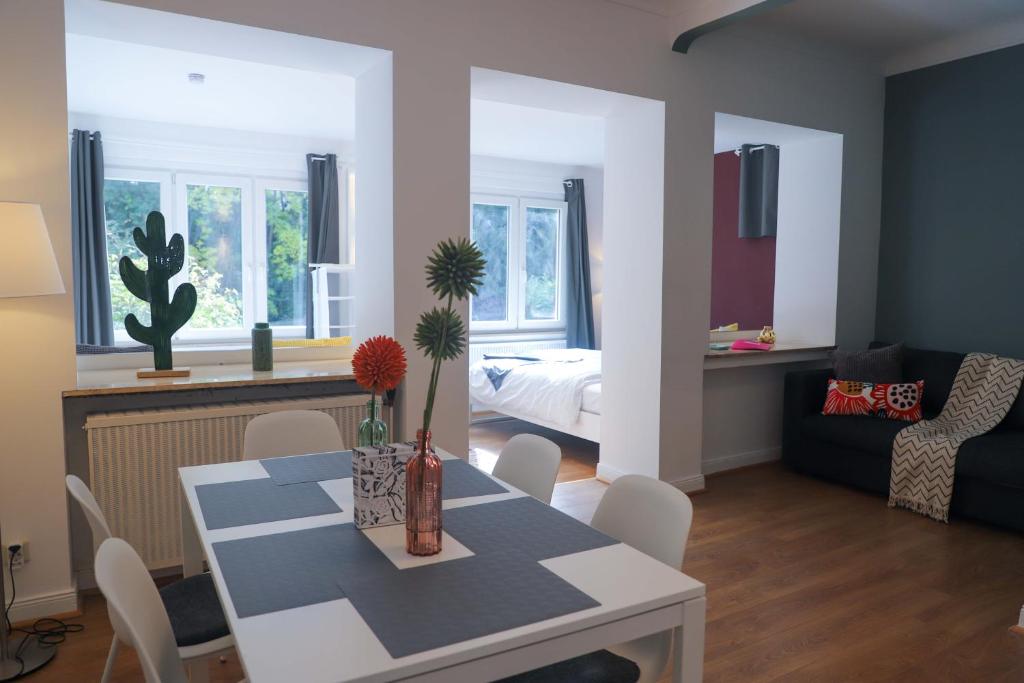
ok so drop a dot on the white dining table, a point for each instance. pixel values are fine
(330, 641)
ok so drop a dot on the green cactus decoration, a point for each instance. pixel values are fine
(166, 316)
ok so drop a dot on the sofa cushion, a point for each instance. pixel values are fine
(996, 457)
(937, 369)
(867, 434)
(884, 364)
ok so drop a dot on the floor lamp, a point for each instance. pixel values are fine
(27, 268)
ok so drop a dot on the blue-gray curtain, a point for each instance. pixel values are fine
(324, 244)
(93, 318)
(759, 190)
(579, 314)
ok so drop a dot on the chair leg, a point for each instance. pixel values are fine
(111, 656)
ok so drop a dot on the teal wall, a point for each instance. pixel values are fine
(951, 258)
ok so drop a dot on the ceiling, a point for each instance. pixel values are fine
(512, 131)
(888, 32)
(132, 81)
(536, 119)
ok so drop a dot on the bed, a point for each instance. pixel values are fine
(555, 388)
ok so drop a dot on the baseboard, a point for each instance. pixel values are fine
(608, 474)
(721, 463)
(691, 484)
(39, 606)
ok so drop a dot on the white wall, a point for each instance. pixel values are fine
(37, 350)
(631, 337)
(374, 279)
(435, 44)
(493, 175)
(742, 422)
(807, 245)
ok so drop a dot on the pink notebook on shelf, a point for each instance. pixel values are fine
(748, 345)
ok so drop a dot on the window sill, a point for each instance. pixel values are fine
(211, 355)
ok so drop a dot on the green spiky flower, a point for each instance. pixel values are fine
(441, 334)
(456, 269)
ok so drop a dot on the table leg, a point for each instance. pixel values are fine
(191, 548)
(688, 644)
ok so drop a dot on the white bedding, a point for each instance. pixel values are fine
(591, 399)
(552, 390)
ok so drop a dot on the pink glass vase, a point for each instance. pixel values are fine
(423, 499)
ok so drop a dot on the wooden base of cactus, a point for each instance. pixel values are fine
(150, 373)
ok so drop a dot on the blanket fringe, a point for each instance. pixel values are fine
(936, 512)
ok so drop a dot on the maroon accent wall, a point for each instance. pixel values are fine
(742, 270)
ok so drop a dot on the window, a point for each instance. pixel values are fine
(522, 240)
(246, 241)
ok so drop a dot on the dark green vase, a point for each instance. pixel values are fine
(262, 348)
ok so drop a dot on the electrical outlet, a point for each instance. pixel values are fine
(19, 558)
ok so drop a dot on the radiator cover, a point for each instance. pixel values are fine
(134, 458)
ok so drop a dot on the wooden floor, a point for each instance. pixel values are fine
(807, 581)
(486, 439)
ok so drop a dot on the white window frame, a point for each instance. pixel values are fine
(259, 231)
(515, 313)
(173, 205)
(512, 276)
(165, 179)
(182, 181)
(560, 289)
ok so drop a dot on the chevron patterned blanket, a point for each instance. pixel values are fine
(924, 454)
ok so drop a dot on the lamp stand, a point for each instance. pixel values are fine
(15, 664)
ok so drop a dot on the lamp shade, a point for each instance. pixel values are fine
(27, 264)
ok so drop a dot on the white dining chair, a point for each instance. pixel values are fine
(142, 620)
(200, 629)
(530, 463)
(654, 517)
(290, 432)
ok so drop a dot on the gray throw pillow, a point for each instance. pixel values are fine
(875, 365)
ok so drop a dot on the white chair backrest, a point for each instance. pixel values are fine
(530, 463)
(652, 516)
(290, 432)
(132, 595)
(91, 509)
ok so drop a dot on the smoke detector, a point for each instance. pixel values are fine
(196, 78)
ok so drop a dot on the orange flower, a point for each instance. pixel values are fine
(379, 364)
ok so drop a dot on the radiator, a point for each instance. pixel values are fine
(477, 349)
(134, 458)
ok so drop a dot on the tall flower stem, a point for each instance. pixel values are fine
(435, 373)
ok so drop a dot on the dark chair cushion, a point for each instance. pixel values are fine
(883, 364)
(867, 434)
(194, 609)
(597, 667)
(996, 457)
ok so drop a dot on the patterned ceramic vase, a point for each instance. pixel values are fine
(423, 499)
(373, 431)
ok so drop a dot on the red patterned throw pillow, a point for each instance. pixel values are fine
(894, 401)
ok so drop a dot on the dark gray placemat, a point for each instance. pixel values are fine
(434, 605)
(462, 480)
(255, 501)
(296, 469)
(525, 526)
(297, 568)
